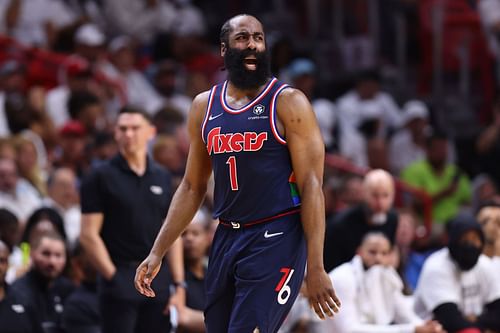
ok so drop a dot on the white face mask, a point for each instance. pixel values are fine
(379, 218)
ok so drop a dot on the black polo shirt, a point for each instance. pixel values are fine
(134, 206)
(17, 315)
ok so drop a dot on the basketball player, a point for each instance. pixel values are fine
(261, 140)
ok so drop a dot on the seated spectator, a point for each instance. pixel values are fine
(488, 145)
(352, 105)
(483, 190)
(27, 163)
(71, 153)
(43, 285)
(81, 309)
(65, 199)
(346, 230)
(195, 239)
(42, 220)
(408, 144)
(10, 232)
(89, 43)
(16, 193)
(447, 185)
(488, 217)
(167, 80)
(167, 153)
(458, 286)
(16, 314)
(372, 294)
(75, 76)
(121, 68)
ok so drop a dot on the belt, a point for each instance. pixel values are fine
(239, 225)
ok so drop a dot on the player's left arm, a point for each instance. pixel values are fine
(298, 125)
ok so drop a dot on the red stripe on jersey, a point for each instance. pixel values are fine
(207, 112)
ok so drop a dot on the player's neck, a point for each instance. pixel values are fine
(239, 93)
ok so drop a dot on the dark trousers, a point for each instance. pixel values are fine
(124, 310)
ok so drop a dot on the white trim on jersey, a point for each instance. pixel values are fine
(272, 118)
(229, 109)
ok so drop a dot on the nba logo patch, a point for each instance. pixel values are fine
(258, 109)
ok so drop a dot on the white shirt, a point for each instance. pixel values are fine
(139, 91)
(4, 126)
(441, 281)
(24, 202)
(371, 301)
(489, 12)
(403, 151)
(57, 105)
(326, 115)
(71, 218)
(353, 110)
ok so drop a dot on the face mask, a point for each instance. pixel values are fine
(379, 218)
(465, 255)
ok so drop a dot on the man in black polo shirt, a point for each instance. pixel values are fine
(124, 203)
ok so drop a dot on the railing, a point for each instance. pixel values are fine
(342, 164)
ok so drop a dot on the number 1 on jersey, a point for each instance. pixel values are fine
(233, 174)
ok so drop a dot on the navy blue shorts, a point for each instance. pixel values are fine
(254, 275)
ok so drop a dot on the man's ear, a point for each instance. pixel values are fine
(223, 49)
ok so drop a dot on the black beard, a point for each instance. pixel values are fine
(239, 75)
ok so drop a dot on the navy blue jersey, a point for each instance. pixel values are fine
(251, 162)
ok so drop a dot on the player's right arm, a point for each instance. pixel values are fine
(186, 201)
(94, 246)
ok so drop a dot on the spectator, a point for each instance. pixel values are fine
(75, 76)
(488, 146)
(65, 199)
(353, 110)
(302, 75)
(121, 68)
(36, 22)
(168, 81)
(484, 189)
(408, 144)
(488, 217)
(10, 234)
(167, 153)
(372, 294)
(81, 309)
(27, 163)
(196, 242)
(71, 153)
(16, 315)
(448, 186)
(89, 43)
(16, 194)
(458, 286)
(346, 230)
(43, 285)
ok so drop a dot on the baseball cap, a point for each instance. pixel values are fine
(77, 66)
(119, 43)
(415, 109)
(11, 67)
(301, 66)
(73, 128)
(89, 34)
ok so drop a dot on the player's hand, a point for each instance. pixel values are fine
(145, 274)
(322, 297)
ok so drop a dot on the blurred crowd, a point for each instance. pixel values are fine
(68, 66)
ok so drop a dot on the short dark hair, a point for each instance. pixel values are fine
(226, 29)
(489, 203)
(131, 109)
(44, 213)
(79, 101)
